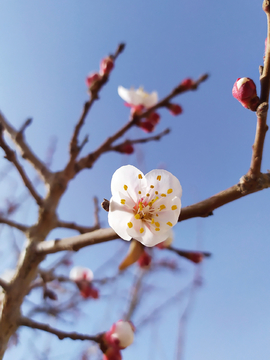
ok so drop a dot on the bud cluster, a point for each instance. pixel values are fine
(120, 336)
(83, 278)
(93, 80)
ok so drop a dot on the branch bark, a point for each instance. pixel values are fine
(24, 321)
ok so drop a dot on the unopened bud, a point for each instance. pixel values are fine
(121, 334)
(144, 260)
(244, 90)
(175, 109)
(187, 83)
(154, 118)
(92, 80)
(106, 65)
(147, 126)
(126, 148)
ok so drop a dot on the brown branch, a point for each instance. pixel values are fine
(257, 149)
(139, 141)
(11, 156)
(24, 321)
(14, 224)
(187, 253)
(73, 226)
(205, 208)
(82, 229)
(26, 152)
(94, 95)
(75, 243)
(89, 160)
(201, 209)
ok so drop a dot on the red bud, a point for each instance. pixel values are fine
(175, 109)
(106, 65)
(244, 90)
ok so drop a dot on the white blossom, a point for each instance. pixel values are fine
(78, 273)
(124, 332)
(144, 207)
(138, 97)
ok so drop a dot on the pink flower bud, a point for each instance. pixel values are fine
(175, 109)
(153, 118)
(187, 83)
(126, 148)
(144, 260)
(147, 126)
(92, 80)
(112, 354)
(106, 65)
(194, 256)
(121, 334)
(244, 90)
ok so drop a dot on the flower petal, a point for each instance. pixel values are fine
(128, 179)
(124, 94)
(164, 182)
(151, 100)
(118, 219)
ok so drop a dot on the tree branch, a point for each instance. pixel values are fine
(89, 160)
(201, 209)
(94, 95)
(11, 156)
(18, 138)
(24, 321)
(14, 224)
(139, 141)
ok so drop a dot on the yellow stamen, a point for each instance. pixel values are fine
(156, 192)
(140, 206)
(141, 230)
(152, 186)
(157, 224)
(174, 207)
(164, 195)
(157, 229)
(162, 207)
(156, 214)
(152, 221)
(159, 177)
(137, 216)
(140, 176)
(169, 223)
(130, 225)
(139, 192)
(123, 201)
(169, 191)
(125, 187)
(147, 194)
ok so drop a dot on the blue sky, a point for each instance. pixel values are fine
(47, 50)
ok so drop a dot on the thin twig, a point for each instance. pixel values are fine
(94, 95)
(25, 150)
(135, 298)
(88, 160)
(24, 321)
(157, 137)
(14, 224)
(11, 156)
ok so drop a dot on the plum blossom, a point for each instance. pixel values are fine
(144, 207)
(139, 97)
(83, 278)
